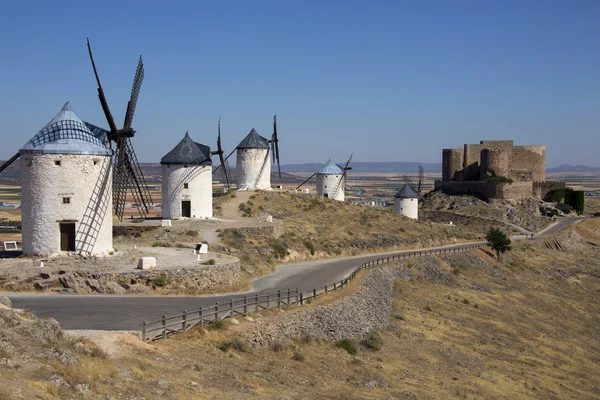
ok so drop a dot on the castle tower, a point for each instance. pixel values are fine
(187, 181)
(494, 162)
(452, 164)
(406, 202)
(66, 189)
(253, 163)
(330, 181)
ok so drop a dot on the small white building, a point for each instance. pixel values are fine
(407, 202)
(253, 163)
(330, 181)
(66, 173)
(187, 181)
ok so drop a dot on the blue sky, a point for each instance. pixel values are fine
(387, 80)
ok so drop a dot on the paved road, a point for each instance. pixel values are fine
(127, 312)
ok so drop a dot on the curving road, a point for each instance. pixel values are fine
(110, 312)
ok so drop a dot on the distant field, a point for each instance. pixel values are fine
(10, 194)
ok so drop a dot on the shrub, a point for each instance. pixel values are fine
(597, 214)
(497, 179)
(209, 262)
(161, 280)
(191, 233)
(347, 344)
(236, 343)
(280, 248)
(304, 338)
(162, 244)
(277, 346)
(310, 246)
(427, 308)
(219, 325)
(466, 301)
(298, 356)
(373, 341)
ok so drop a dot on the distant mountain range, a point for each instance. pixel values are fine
(152, 171)
(573, 168)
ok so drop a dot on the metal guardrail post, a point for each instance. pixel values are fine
(315, 294)
(325, 289)
(201, 312)
(279, 299)
(144, 330)
(164, 327)
(301, 299)
(256, 306)
(334, 286)
(184, 322)
(217, 311)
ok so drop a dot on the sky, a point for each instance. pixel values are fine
(387, 80)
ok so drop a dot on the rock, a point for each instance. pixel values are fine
(58, 381)
(234, 321)
(40, 285)
(114, 288)
(163, 384)
(166, 222)
(146, 263)
(84, 389)
(5, 301)
(192, 383)
(94, 285)
(45, 275)
(249, 319)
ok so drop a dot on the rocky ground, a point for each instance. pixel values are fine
(460, 325)
(524, 213)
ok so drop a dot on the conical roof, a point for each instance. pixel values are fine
(407, 192)
(188, 152)
(66, 134)
(330, 168)
(253, 141)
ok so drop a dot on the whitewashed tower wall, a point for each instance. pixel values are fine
(332, 185)
(407, 207)
(198, 192)
(86, 180)
(253, 168)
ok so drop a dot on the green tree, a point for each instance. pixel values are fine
(499, 241)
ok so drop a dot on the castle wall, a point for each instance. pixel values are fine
(487, 190)
(253, 168)
(542, 190)
(86, 181)
(472, 156)
(198, 191)
(452, 164)
(331, 185)
(530, 158)
(494, 161)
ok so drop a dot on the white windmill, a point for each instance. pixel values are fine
(331, 180)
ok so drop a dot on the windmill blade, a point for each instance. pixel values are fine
(135, 92)
(309, 178)
(141, 194)
(421, 177)
(275, 144)
(226, 158)
(346, 168)
(120, 179)
(101, 96)
(225, 172)
(10, 161)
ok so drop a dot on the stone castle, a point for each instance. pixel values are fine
(497, 169)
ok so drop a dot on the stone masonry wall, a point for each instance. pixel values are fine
(530, 158)
(452, 164)
(487, 190)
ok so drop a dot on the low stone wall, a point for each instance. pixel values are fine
(542, 189)
(198, 279)
(350, 317)
(258, 232)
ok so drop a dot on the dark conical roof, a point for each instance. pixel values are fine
(188, 152)
(407, 192)
(253, 141)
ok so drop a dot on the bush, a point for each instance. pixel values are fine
(280, 248)
(347, 344)
(310, 246)
(162, 244)
(373, 341)
(298, 356)
(161, 280)
(219, 325)
(236, 343)
(192, 233)
(209, 262)
(597, 214)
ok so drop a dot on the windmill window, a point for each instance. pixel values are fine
(185, 185)
(95, 162)
(57, 163)
(66, 200)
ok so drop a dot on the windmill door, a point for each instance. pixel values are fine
(67, 236)
(186, 209)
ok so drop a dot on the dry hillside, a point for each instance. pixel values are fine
(462, 326)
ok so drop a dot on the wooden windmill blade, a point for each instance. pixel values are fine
(127, 172)
(275, 145)
(10, 161)
(309, 178)
(342, 181)
(223, 164)
(421, 178)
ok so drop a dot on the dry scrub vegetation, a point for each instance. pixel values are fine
(317, 228)
(463, 326)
